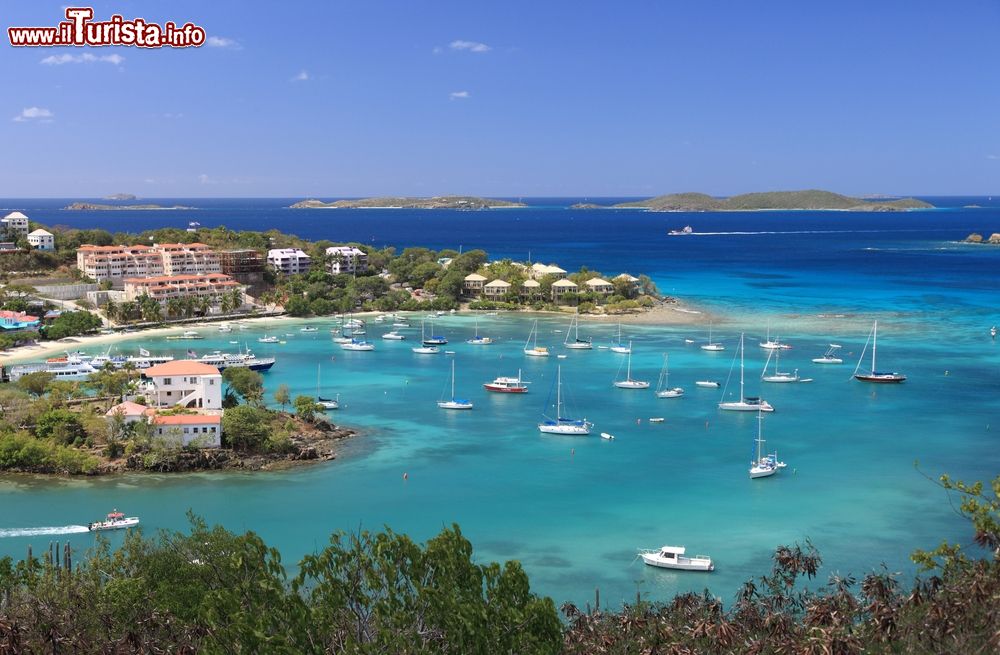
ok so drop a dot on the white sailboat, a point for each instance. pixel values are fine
(874, 375)
(358, 344)
(763, 465)
(775, 344)
(425, 348)
(777, 376)
(830, 356)
(534, 350)
(576, 343)
(561, 424)
(478, 340)
(712, 346)
(434, 339)
(619, 346)
(628, 382)
(744, 404)
(663, 388)
(454, 403)
(321, 402)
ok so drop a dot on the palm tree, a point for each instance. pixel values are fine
(204, 305)
(111, 310)
(175, 307)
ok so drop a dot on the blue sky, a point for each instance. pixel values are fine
(511, 98)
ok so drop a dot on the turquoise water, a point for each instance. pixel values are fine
(574, 510)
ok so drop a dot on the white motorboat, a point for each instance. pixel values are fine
(531, 347)
(225, 328)
(478, 340)
(672, 557)
(393, 336)
(830, 356)
(663, 388)
(561, 424)
(268, 339)
(608, 436)
(400, 324)
(777, 375)
(321, 402)
(358, 344)
(187, 334)
(993, 332)
(309, 328)
(453, 402)
(507, 384)
(657, 419)
(115, 521)
(628, 382)
(874, 375)
(712, 346)
(619, 346)
(576, 343)
(763, 465)
(686, 230)
(745, 403)
(710, 384)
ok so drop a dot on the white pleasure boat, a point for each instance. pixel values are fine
(628, 382)
(663, 388)
(560, 424)
(115, 521)
(672, 557)
(830, 356)
(745, 403)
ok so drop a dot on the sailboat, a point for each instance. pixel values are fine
(773, 345)
(777, 376)
(478, 340)
(434, 339)
(712, 346)
(618, 346)
(874, 375)
(535, 350)
(425, 348)
(663, 388)
(745, 404)
(628, 382)
(561, 424)
(321, 402)
(342, 337)
(576, 343)
(763, 465)
(454, 403)
(830, 356)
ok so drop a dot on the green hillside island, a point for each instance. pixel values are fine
(402, 202)
(93, 206)
(811, 199)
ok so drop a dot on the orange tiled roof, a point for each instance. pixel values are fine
(180, 367)
(187, 419)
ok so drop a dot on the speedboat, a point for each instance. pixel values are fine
(394, 336)
(608, 436)
(266, 339)
(672, 557)
(830, 356)
(711, 384)
(115, 521)
(309, 328)
(687, 229)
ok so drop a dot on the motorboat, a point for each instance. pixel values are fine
(672, 557)
(309, 328)
(393, 336)
(608, 436)
(115, 521)
(874, 375)
(663, 388)
(267, 339)
(657, 419)
(507, 384)
(686, 230)
(830, 356)
(628, 382)
(561, 424)
(710, 384)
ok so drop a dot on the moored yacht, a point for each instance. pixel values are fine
(745, 403)
(507, 384)
(874, 375)
(830, 356)
(672, 557)
(561, 424)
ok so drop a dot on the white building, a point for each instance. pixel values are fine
(198, 430)
(346, 259)
(290, 261)
(14, 225)
(562, 287)
(472, 285)
(42, 240)
(539, 271)
(183, 383)
(601, 286)
(496, 289)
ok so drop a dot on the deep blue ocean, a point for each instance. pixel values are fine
(574, 510)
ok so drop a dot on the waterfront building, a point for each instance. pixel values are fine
(539, 271)
(472, 285)
(115, 263)
(562, 287)
(188, 258)
(198, 430)
(496, 290)
(163, 288)
(346, 259)
(42, 240)
(13, 226)
(14, 321)
(598, 285)
(182, 383)
(530, 289)
(290, 261)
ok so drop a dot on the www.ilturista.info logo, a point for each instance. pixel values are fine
(79, 29)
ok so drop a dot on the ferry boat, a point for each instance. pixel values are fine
(115, 521)
(222, 361)
(70, 367)
(504, 384)
(672, 557)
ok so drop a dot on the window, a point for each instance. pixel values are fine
(186, 430)
(213, 429)
(166, 381)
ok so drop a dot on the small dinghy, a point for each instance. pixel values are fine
(608, 436)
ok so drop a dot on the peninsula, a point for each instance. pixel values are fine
(403, 202)
(788, 200)
(93, 206)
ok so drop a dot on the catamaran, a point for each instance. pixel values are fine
(874, 375)
(321, 402)
(663, 388)
(534, 350)
(507, 384)
(628, 382)
(763, 465)
(425, 348)
(712, 346)
(454, 403)
(830, 356)
(619, 346)
(478, 340)
(672, 557)
(561, 424)
(576, 343)
(745, 403)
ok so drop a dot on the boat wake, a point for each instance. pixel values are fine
(764, 232)
(38, 532)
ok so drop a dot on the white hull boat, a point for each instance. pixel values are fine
(531, 347)
(672, 557)
(628, 382)
(114, 521)
(663, 388)
(358, 345)
(830, 356)
(709, 384)
(576, 343)
(393, 336)
(763, 466)
(454, 403)
(746, 403)
(560, 424)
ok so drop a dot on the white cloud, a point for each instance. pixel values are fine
(458, 95)
(223, 42)
(35, 114)
(205, 179)
(302, 76)
(471, 46)
(437, 50)
(85, 58)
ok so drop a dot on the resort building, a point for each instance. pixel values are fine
(182, 383)
(346, 259)
(42, 240)
(290, 261)
(198, 430)
(163, 288)
(473, 285)
(188, 258)
(597, 285)
(530, 289)
(13, 226)
(14, 321)
(115, 263)
(496, 290)
(539, 271)
(562, 287)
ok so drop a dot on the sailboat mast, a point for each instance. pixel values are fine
(628, 373)
(741, 367)
(558, 393)
(453, 379)
(874, 344)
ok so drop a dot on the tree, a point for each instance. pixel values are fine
(247, 384)
(297, 306)
(305, 408)
(35, 383)
(61, 425)
(246, 427)
(282, 396)
(71, 324)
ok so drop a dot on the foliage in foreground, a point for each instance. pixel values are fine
(216, 592)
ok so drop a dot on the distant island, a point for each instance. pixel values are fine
(975, 237)
(811, 199)
(121, 196)
(92, 206)
(402, 202)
